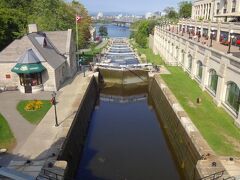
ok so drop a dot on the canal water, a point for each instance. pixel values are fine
(125, 140)
(115, 31)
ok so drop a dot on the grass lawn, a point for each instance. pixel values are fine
(6, 136)
(151, 57)
(34, 117)
(214, 123)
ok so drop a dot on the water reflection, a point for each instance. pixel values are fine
(125, 140)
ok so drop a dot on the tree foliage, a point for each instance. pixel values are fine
(143, 29)
(49, 15)
(171, 13)
(185, 9)
(103, 31)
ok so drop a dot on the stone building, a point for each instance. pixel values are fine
(216, 72)
(38, 61)
(216, 10)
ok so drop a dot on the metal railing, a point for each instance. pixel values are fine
(50, 175)
(214, 176)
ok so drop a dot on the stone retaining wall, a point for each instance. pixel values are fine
(73, 146)
(194, 156)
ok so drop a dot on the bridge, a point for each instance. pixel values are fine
(124, 21)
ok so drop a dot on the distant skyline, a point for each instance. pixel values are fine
(128, 6)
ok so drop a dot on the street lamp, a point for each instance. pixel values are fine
(211, 36)
(199, 35)
(231, 37)
(189, 32)
(54, 103)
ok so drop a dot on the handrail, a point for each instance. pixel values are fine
(214, 176)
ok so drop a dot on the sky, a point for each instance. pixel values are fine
(131, 6)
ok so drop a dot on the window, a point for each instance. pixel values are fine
(213, 80)
(199, 69)
(189, 62)
(233, 96)
(33, 79)
(8, 76)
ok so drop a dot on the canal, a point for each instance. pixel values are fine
(125, 140)
(115, 31)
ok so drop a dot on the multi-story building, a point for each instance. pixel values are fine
(216, 72)
(216, 10)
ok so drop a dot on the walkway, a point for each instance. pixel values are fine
(216, 45)
(20, 127)
(44, 140)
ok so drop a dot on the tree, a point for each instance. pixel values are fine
(12, 25)
(185, 9)
(140, 39)
(103, 31)
(49, 15)
(171, 13)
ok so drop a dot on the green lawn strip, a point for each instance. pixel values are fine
(6, 136)
(36, 116)
(151, 57)
(214, 123)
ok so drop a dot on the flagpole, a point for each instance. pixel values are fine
(77, 41)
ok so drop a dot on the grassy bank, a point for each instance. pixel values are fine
(151, 57)
(35, 116)
(214, 123)
(6, 136)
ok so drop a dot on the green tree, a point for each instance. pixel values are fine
(103, 31)
(140, 39)
(12, 25)
(171, 13)
(83, 25)
(185, 9)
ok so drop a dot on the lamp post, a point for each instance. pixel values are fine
(189, 32)
(199, 35)
(230, 43)
(54, 103)
(211, 37)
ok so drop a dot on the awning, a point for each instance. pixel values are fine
(28, 68)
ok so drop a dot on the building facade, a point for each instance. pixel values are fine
(38, 61)
(215, 72)
(216, 10)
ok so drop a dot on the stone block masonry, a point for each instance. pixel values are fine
(194, 156)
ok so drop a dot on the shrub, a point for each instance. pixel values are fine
(33, 105)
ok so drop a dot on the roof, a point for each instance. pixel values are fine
(29, 57)
(59, 39)
(48, 52)
(52, 53)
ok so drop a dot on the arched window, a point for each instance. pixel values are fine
(189, 62)
(199, 69)
(233, 96)
(213, 80)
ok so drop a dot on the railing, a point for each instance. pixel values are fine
(214, 176)
(47, 174)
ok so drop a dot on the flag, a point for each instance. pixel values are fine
(78, 18)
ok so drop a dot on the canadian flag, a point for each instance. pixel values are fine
(78, 18)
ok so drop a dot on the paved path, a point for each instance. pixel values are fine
(45, 140)
(20, 127)
(216, 45)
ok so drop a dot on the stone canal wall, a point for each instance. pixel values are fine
(193, 155)
(73, 146)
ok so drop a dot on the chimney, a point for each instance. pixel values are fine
(32, 28)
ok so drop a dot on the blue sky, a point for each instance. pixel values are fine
(128, 5)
